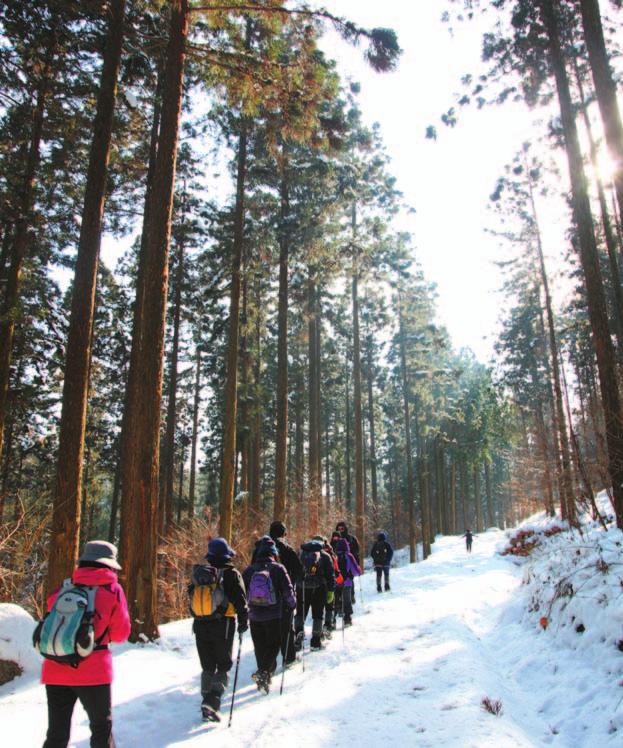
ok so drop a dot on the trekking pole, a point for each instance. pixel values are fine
(233, 693)
(363, 604)
(342, 598)
(283, 659)
(304, 617)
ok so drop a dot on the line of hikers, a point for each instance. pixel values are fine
(274, 595)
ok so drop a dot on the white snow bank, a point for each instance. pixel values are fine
(16, 628)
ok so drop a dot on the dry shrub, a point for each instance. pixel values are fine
(23, 559)
(8, 671)
(493, 706)
(523, 542)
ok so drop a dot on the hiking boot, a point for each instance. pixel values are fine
(262, 680)
(298, 640)
(387, 588)
(378, 589)
(326, 632)
(316, 643)
(209, 714)
(348, 621)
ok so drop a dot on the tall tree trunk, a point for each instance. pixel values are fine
(605, 88)
(567, 499)
(359, 506)
(24, 202)
(609, 231)
(318, 315)
(407, 426)
(489, 493)
(589, 258)
(65, 530)
(167, 467)
(453, 496)
(281, 436)
(141, 455)
(349, 489)
(114, 504)
(373, 475)
(477, 498)
(314, 415)
(228, 473)
(195, 435)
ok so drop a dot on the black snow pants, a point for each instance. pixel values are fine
(266, 637)
(309, 597)
(97, 704)
(215, 641)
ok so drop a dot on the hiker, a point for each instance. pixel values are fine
(87, 679)
(289, 558)
(468, 540)
(316, 588)
(329, 624)
(217, 596)
(270, 597)
(349, 569)
(353, 543)
(382, 554)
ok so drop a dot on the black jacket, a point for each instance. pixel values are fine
(234, 590)
(326, 564)
(352, 542)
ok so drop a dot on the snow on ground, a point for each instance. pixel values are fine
(412, 671)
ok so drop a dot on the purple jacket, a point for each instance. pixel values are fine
(346, 562)
(281, 583)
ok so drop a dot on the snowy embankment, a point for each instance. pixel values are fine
(412, 671)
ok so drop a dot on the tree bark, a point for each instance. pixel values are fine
(228, 473)
(195, 436)
(373, 475)
(141, 455)
(605, 89)
(359, 507)
(589, 258)
(609, 231)
(165, 512)
(314, 416)
(281, 436)
(407, 426)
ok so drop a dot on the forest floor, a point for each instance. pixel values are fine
(412, 671)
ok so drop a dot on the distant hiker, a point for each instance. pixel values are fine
(217, 596)
(270, 597)
(348, 570)
(353, 543)
(382, 554)
(468, 540)
(289, 558)
(315, 589)
(91, 612)
(329, 624)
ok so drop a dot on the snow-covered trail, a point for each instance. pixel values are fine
(412, 671)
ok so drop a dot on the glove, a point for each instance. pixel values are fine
(243, 625)
(330, 597)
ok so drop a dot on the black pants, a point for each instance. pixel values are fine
(97, 704)
(266, 637)
(382, 571)
(468, 544)
(215, 642)
(306, 598)
(344, 601)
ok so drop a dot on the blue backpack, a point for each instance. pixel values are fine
(66, 634)
(312, 569)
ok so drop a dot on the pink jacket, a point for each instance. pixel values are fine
(111, 617)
